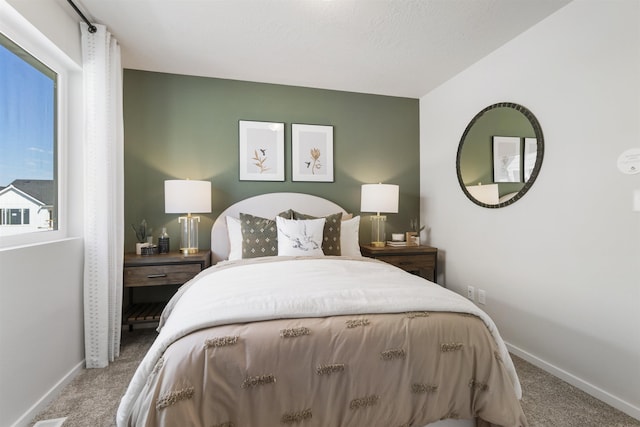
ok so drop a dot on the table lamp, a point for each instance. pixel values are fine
(379, 198)
(187, 196)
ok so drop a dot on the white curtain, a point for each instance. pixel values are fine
(103, 196)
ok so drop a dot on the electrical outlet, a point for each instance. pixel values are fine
(482, 296)
(471, 293)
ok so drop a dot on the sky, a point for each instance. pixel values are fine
(26, 120)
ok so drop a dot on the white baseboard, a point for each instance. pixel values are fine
(583, 385)
(27, 418)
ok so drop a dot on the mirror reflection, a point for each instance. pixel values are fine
(499, 155)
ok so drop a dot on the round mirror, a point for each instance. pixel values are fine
(500, 155)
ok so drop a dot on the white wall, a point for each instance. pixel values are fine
(561, 266)
(57, 20)
(41, 325)
(41, 314)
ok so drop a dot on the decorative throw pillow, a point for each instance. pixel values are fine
(288, 214)
(299, 237)
(349, 237)
(259, 236)
(234, 232)
(330, 234)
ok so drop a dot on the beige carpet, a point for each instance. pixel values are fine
(92, 398)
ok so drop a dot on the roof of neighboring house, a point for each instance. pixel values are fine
(40, 189)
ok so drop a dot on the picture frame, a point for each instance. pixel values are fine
(261, 150)
(507, 166)
(530, 156)
(312, 153)
(412, 238)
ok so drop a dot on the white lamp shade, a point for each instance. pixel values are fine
(186, 196)
(487, 193)
(379, 198)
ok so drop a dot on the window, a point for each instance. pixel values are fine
(28, 142)
(53, 200)
(14, 216)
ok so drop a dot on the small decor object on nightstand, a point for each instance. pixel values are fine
(413, 236)
(397, 237)
(149, 249)
(163, 242)
(397, 240)
(413, 239)
(141, 236)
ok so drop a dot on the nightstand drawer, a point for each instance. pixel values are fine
(422, 260)
(158, 275)
(410, 262)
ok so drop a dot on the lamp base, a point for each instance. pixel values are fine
(189, 234)
(378, 230)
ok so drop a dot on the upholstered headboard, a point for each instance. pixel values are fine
(267, 206)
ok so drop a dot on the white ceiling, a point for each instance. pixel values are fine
(389, 47)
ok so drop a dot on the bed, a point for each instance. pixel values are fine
(309, 339)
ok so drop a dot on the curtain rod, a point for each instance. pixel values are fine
(92, 28)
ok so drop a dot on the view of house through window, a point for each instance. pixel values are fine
(28, 176)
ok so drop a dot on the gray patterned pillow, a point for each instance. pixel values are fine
(331, 233)
(260, 235)
(288, 214)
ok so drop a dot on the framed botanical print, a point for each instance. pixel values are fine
(530, 155)
(311, 153)
(261, 150)
(506, 159)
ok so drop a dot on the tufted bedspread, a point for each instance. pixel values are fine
(321, 342)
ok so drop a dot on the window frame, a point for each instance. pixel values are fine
(21, 32)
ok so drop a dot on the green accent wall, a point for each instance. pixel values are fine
(179, 127)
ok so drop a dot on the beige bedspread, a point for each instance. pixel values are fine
(366, 369)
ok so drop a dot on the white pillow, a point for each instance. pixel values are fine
(349, 237)
(300, 237)
(235, 238)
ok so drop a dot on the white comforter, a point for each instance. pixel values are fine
(282, 287)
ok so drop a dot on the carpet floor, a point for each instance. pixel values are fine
(92, 398)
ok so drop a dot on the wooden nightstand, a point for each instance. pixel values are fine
(157, 270)
(422, 260)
